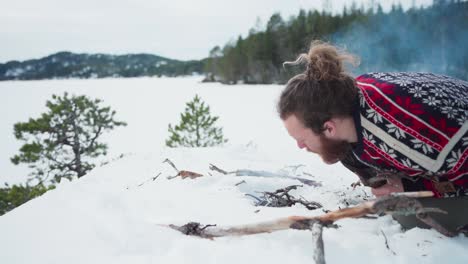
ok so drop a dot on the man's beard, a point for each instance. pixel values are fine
(332, 150)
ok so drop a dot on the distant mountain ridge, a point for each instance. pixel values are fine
(63, 65)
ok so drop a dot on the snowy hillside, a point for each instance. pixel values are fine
(65, 65)
(113, 214)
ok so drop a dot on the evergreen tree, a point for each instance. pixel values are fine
(12, 197)
(212, 64)
(62, 142)
(196, 128)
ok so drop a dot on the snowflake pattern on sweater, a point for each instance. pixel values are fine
(415, 123)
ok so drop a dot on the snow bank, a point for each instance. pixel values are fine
(112, 215)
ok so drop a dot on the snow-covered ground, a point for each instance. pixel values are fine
(112, 215)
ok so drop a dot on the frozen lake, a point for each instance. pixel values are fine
(247, 112)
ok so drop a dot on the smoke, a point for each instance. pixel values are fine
(432, 39)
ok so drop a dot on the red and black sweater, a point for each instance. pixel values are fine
(414, 125)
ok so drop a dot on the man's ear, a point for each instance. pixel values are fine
(329, 129)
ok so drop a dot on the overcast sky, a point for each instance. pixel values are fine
(178, 29)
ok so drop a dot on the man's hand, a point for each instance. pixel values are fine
(393, 185)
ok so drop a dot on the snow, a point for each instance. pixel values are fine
(15, 72)
(159, 63)
(114, 214)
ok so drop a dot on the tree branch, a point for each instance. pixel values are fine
(282, 198)
(402, 203)
(93, 140)
(244, 172)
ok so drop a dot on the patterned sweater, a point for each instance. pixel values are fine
(413, 125)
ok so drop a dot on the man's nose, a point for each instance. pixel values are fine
(300, 145)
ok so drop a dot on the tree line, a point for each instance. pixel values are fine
(419, 39)
(71, 65)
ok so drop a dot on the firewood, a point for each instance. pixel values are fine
(401, 203)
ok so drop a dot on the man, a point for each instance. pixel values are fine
(397, 131)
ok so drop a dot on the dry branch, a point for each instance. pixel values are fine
(402, 203)
(171, 163)
(213, 167)
(186, 174)
(317, 239)
(239, 183)
(317, 242)
(386, 242)
(282, 198)
(183, 173)
(150, 179)
(244, 172)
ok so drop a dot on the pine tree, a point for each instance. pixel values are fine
(63, 141)
(12, 197)
(196, 127)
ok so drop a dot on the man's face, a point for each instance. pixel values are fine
(329, 149)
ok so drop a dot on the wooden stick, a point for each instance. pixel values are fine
(266, 174)
(393, 204)
(171, 163)
(317, 243)
(421, 194)
(401, 203)
(271, 226)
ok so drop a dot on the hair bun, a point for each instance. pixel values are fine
(325, 62)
